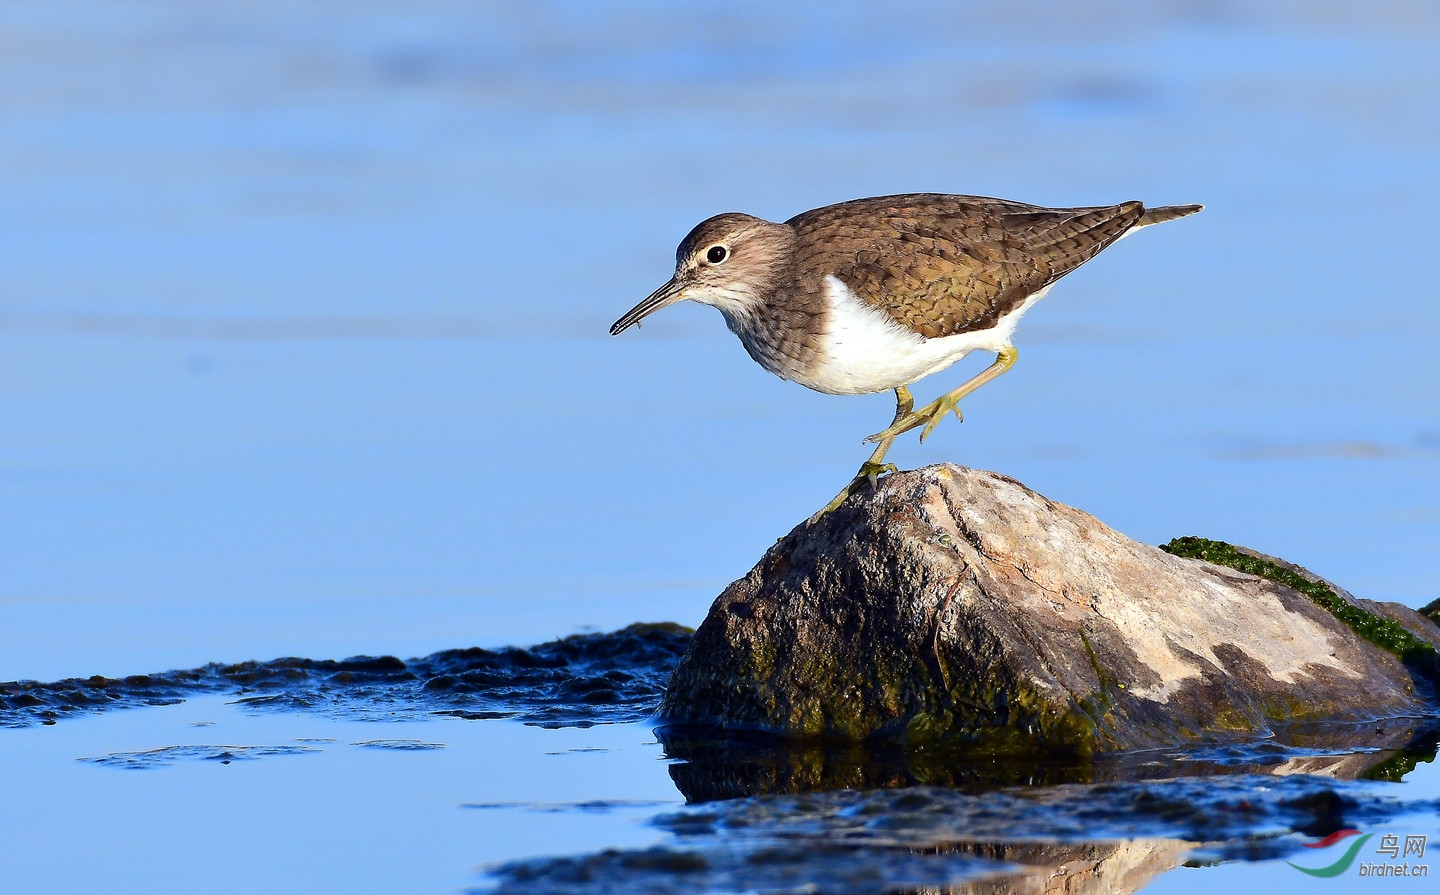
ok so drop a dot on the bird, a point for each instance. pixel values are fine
(873, 294)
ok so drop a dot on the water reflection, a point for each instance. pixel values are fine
(857, 818)
(713, 765)
(1087, 868)
(1104, 838)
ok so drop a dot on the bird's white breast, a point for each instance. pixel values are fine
(863, 350)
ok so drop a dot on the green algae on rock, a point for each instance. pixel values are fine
(957, 606)
(1431, 611)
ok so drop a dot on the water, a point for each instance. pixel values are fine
(303, 353)
(332, 817)
(363, 776)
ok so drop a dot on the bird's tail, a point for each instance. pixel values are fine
(1165, 213)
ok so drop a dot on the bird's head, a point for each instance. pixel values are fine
(731, 262)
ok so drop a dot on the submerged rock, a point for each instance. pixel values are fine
(958, 605)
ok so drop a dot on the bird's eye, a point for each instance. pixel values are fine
(716, 254)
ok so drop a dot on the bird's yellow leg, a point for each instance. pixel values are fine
(872, 469)
(931, 414)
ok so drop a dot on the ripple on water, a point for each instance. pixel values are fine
(168, 755)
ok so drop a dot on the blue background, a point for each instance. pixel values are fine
(303, 306)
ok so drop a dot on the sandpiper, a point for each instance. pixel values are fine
(873, 294)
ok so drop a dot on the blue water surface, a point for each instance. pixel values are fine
(303, 349)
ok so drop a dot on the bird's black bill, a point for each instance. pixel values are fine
(665, 295)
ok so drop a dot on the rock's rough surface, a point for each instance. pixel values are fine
(955, 604)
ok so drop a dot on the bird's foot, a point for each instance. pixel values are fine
(928, 416)
(870, 472)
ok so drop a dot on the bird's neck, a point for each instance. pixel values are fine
(779, 328)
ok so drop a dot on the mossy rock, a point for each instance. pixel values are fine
(957, 606)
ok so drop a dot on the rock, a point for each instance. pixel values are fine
(957, 605)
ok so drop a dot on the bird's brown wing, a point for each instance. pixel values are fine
(941, 265)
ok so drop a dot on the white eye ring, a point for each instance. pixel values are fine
(716, 253)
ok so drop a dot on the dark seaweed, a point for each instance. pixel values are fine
(574, 682)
